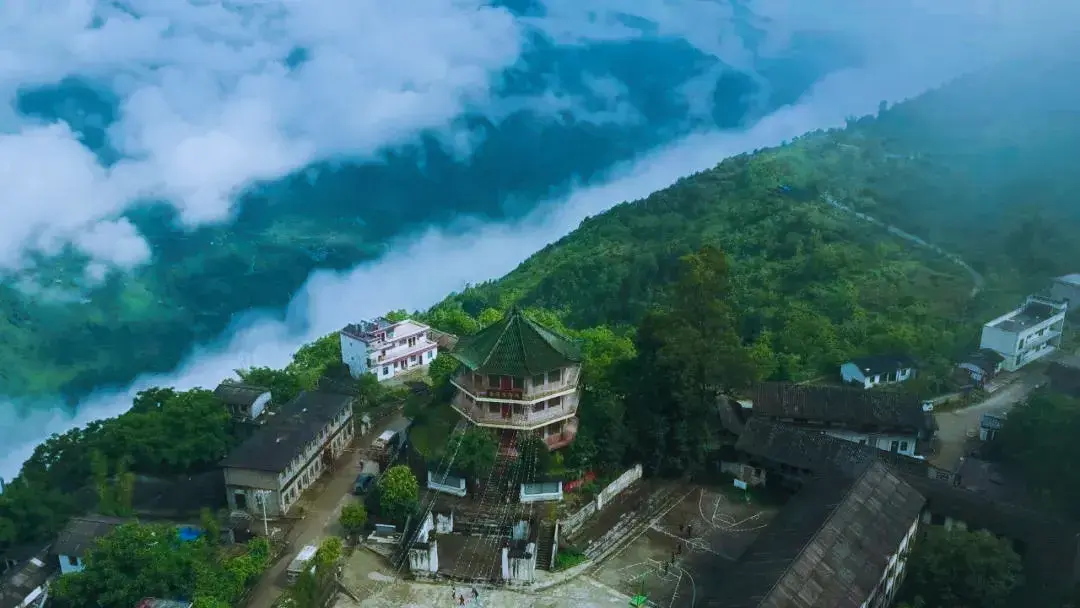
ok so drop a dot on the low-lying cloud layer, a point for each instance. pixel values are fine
(213, 99)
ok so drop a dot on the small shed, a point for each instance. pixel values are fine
(244, 401)
(868, 372)
(982, 365)
(990, 424)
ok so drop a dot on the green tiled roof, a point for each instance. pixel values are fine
(516, 346)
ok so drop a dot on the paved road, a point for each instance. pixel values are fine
(322, 506)
(954, 426)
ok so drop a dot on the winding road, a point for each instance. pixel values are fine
(976, 278)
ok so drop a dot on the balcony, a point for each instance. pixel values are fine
(477, 386)
(565, 438)
(519, 416)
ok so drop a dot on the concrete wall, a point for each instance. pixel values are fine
(893, 576)
(70, 564)
(519, 569)
(1062, 290)
(540, 492)
(259, 405)
(354, 354)
(424, 559)
(620, 484)
(453, 485)
(247, 483)
(905, 443)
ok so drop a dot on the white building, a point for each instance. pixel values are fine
(386, 349)
(269, 471)
(1026, 334)
(1067, 289)
(869, 372)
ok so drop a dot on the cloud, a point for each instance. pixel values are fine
(450, 257)
(213, 99)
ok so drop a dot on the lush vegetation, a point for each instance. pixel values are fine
(150, 560)
(166, 433)
(1043, 430)
(961, 569)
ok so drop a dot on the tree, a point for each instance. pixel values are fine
(688, 353)
(441, 369)
(476, 452)
(399, 493)
(353, 519)
(283, 384)
(1039, 431)
(451, 318)
(210, 525)
(314, 360)
(489, 316)
(961, 569)
(397, 316)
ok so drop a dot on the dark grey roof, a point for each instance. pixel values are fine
(31, 574)
(79, 535)
(985, 359)
(815, 451)
(883, 364)
(275, 444)
(842, 405)
(235, 393)
(1051, 544)
(829, 546)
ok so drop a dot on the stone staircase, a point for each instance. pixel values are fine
(630, 524)
(545, 546)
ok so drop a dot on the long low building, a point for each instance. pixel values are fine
(266, 474)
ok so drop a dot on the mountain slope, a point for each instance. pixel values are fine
(816, 283)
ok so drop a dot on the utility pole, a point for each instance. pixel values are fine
(262, 494)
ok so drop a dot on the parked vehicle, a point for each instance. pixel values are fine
(301, 562)
(363, 483)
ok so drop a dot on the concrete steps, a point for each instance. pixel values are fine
(545, 546)
(631, 524)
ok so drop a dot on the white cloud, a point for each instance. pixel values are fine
(208, 105)
(447, 259)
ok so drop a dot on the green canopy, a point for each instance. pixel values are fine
(516, 346)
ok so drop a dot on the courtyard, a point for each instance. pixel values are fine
(680, 555)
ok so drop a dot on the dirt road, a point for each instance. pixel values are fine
(322, 506)
(954, 426)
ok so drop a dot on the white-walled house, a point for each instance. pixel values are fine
(272, 468)
(78, 537)
(1067, 289)
(869, 372)
(386, 349)
(889, 421)
(1026, 334)
(244, 401)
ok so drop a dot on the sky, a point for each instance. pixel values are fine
(212, 100)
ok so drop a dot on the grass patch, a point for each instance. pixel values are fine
(568, 558)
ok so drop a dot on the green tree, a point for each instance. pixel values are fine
(283, 384)
(441, 369)
(353, 519)
(688, 353)
(961, 569)
(397, 316)
(1039, 431)
(489, 316)
(210, 525)
(399, 493)
(451, 318)
(314, 360)
(476, 452)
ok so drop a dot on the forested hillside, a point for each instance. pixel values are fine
(976, 167)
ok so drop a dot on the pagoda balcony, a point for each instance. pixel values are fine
(520, 416)
(479, 387)
(564, 438)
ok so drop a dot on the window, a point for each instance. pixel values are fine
(538, 407)
(73, 560)
(493, 381)
(430, 354)
(903, 446)
(555, 376)
(894, 446)
(554, 402)
(519, 383)
(538, 380)
(385, 370)
(493, 408)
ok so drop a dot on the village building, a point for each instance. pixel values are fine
(794, 458)
(244, 401)
(266, 474)
(1026, 334)
(982, 366)
(518, 375)
(868, 372)
(26, 585)
(885, 420)
(79, 536)
(388, 349)
(1067, 289)
(841, 542)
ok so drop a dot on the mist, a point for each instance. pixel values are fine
(187, 149)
